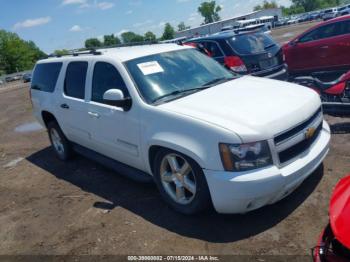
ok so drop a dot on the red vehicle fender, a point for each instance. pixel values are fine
(339, 212)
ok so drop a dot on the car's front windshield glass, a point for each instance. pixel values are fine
(166, 76)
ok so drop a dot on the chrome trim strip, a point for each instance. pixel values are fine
(295, 139)
(285, 131)
(281, 165)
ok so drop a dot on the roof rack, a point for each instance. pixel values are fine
(94, 51)
(77, 52)
(131, 44)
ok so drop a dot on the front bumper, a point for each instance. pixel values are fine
(241, 192)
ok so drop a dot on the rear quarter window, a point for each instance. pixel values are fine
(45, 76)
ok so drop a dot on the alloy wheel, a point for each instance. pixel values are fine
(178, 179)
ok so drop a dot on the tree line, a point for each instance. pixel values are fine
(209, 11)
(16, 54)
(130, 37)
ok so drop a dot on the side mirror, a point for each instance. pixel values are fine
(294, 42)
(115, 97)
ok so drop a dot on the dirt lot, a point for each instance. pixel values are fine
(286, 33)
(48, 207)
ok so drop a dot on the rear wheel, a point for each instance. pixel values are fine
(181, 182)
(59, 142)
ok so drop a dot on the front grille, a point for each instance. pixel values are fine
(294, 142)
(299, 148)
(296, 130)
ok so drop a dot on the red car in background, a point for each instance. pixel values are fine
(324, 47)
(334, 242)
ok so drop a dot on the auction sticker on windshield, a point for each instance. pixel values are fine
(149, 68)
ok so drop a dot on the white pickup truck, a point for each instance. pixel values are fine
(169, 113)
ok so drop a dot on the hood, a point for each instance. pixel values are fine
(254, 108)
(339, 212)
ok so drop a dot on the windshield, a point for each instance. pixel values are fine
(170, 75)
(248, 44)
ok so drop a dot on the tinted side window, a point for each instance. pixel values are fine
(346, 27)
(322, 32)
(45, 76)
(74, 84)
(106, 77)
(213, 48)
(331, 30)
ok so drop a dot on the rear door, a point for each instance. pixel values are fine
(72, 110)
(330, 46)
(342, 48)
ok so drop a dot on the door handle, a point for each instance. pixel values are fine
(93, 114)
(65, 106)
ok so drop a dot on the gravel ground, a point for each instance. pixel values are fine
(54, 208)
(286, 33)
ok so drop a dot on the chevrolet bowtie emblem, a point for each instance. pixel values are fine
(310, 132)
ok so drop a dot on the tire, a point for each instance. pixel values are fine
(59, 142)
(186, 189)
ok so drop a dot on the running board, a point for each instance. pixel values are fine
(120, 168)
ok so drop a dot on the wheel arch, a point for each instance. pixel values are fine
(195, 155)
(48, 117)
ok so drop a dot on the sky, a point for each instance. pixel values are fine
(66, 24)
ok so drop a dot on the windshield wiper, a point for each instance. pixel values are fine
(217, 81)
(182, 92)
(269, 46)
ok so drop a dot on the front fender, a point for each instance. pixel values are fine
(180, 143)
(194, 138)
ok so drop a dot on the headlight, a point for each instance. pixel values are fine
(243, 157)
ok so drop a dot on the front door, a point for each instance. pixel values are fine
(115, 133)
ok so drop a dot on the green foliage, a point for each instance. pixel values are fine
(210, 12)
(92, 43)
(182, 27)
(131, 37)
(16, 54)
(149, 36)
(292, 10)
(109, 40)
(308, 5)
(169, 32)
(301, 6)
(61, 52)
(266, 5)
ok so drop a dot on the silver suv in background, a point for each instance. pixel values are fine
(344, 10)
(330, 14)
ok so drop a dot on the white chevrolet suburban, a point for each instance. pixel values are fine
(169, 113)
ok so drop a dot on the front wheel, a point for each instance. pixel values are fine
(181, 182)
